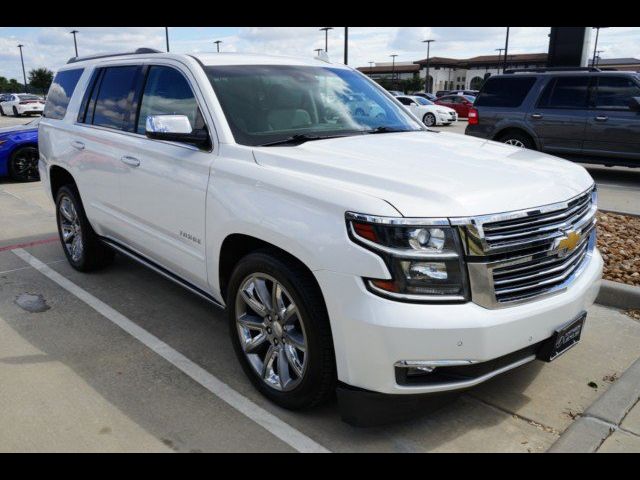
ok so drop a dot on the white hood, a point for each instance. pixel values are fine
(435, 174)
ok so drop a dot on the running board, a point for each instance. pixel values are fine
(161, 270)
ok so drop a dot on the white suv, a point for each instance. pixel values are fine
(362, 252)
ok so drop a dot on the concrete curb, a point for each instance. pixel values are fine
(618, 295)
(618, 212)
(603, 417)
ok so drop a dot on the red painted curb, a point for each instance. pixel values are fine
(30, 244)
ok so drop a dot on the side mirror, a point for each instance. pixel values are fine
(634, 104)
(176, 128)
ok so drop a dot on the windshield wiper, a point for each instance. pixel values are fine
(387, 130)
(299, 139)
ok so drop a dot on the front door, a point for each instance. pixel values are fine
(164, 189)
(613, 129)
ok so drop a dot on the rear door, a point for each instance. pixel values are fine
(613, 129)
(164, 184)
(100, 142)
(560, 116)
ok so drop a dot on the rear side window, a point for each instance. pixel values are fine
(60, 93)
(167, 92)
(614, 93)
(566, 92)
(113, 105)
(508, 91)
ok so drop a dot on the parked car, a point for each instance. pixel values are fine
(429, 96)
(360, 106)
(460, 103)
(369, 255)
(430, 113)
(21, 104)
(587, 115)
(19, 151)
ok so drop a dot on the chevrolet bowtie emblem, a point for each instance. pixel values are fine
(567, 243)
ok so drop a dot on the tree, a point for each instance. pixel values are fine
(40, 79)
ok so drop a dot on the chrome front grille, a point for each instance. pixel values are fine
(518, 256)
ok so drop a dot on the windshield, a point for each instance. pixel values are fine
(266, 104)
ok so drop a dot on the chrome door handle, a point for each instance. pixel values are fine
(601, 118)
(131, 161)
(78, 145)
(536, 115)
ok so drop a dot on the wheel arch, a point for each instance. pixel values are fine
(235, 246)
(58, 177)
(517, 129)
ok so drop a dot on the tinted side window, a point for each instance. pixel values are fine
(504, 91)
(404, 101)
(167, 92)
(566, 92)
(60, 93)
(113, 103)
(614, 93)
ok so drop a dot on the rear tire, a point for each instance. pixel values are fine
(517, 139)
(301, 339)
(23, 164)
(2, 112)
(80, 243)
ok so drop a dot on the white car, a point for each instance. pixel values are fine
(430, 113)
(369, 255)
(21, 104)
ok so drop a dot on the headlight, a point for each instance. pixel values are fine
(424, 257)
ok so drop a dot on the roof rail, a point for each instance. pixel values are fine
(105, 55)
(551, 69)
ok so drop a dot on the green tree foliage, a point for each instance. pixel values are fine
(40, 79)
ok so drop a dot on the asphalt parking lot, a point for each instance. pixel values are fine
(124, 360)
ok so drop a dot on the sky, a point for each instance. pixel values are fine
(51, 47)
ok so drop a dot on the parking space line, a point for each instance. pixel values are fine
(285, 432)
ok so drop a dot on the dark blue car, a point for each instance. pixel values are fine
(19, 151)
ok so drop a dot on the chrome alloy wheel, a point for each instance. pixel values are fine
(271, 331)
(71, 230)
(515, 142)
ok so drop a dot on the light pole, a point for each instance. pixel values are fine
(75, 43)
(326, 37)
(393, 70)
(166, 35)
(499, 50)
(595, 46)
(506, 49)
(427, 86)
(24, 74)
(218, 42)
(318, 51)
(346, 45)
(598, 57)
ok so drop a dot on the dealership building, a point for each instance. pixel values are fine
(469, 73)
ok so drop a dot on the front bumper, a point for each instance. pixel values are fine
(447, 118)
(371, 333)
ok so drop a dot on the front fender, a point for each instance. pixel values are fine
(297, 213)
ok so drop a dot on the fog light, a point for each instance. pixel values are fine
(425, 270)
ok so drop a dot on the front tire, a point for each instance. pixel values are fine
(280, 330)
(23, 164)
(15, 112)
(82, 246)
(429, 119)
